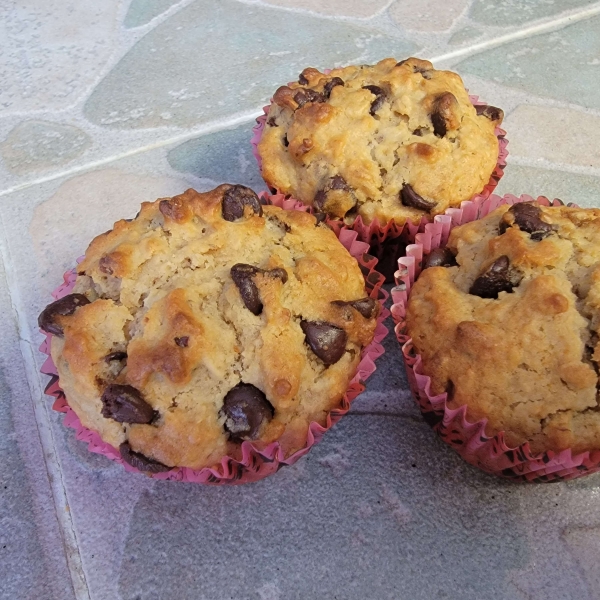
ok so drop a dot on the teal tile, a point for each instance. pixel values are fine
(212, 59)
(516, 12)
(143, 11)
(563, 64)
(218, 157)
(583, 190)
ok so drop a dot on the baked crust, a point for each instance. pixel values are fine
(164, 305)
(377, 129)
(528, 360)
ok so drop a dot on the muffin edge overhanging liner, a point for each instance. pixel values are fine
(489, 453)
(255, 463)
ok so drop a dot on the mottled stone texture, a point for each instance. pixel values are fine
(181, 74)
(39, 145)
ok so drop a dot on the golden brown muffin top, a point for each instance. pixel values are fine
(392, 141)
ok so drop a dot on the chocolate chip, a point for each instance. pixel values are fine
(63, 307)
(440, 257)
(236, 199)
(286, 142)
(243, 275)
(331, 84)
(327, 341)
(279, 273)
(337, 182)
(527, 216)
(379, 98)
(410, 198)
(245, 408)
(490, 112)
(302, 80)
(141, 462)
(497, 278)
(182, 341)
(115, 356)
(173, 208)
(303, 96)
(442, 116)
(105, 265)
(367, 307)
(125, 404)
(272, 122)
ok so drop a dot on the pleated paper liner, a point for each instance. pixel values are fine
(255, 463)
(468, 438)
(388, 241)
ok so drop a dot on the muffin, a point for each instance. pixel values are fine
(392, 142)
(506, 320)
(207, 321)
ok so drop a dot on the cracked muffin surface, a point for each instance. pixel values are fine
(507, 322)
(208, 320)
(393, 141)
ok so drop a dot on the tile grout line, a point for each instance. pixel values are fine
(210, 127)
(42, 418)
(520, 34)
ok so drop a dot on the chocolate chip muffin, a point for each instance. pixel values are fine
(507, 320)
(207, 320)
(393, 141)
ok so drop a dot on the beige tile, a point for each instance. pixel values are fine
(558, 135)
(53, 50)
(427, 15)
(340, 8)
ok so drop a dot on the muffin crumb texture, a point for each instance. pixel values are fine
(508, 321)
(393, 141)
(208, 320)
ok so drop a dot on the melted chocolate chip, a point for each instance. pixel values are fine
(379, 98)
(243, 275)
(441, 113)
(497, 278)
(303, 96)
(367, 307)
(272, 122)
(335, 81)
(182, 341)
(115, 356)
(302, 80)
(286, 142)
(173, 208)
(141, 462)
(490, 112)
(125, 404)
(327, 341)
(63, 307)
(245, 408)
(527, 217)
(337, 182)
(410, 198)
(235, 201)
(440, 257)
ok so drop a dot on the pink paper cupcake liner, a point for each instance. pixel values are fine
(490, 453)
(255, 463)
(375, 233)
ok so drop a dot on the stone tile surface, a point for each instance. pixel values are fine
(104, 107)
(32, 557)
